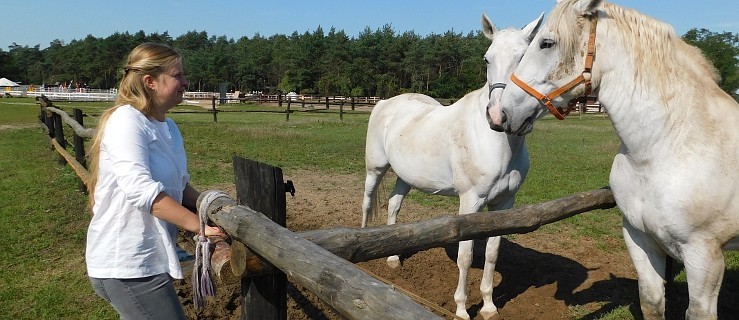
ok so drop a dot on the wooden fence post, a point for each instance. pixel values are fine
(341, 110)
(215, 111)
(47, 117)
(79, 147)
(326, 102)
(352, 103)
(287, 111)
(50, 123)
(59, 136)
(261, 187)
(46, 120)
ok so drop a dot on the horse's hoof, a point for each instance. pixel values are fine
(393, 262)
(491, 315)
(462, 315)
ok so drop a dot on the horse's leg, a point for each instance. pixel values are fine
(704, 268)
(649, 261)
(400, 190)
(489, 310)
(371, 184)
(467, 204)
(464, 261)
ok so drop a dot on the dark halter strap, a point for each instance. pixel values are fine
(497, 85)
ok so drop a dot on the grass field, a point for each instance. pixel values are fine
(43, 217)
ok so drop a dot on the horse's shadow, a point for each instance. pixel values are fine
(677, 296)
(522, 268)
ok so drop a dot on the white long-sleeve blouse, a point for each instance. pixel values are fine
(139, 158)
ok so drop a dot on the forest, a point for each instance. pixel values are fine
(380, 62)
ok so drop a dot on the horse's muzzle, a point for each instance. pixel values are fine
(500, 125)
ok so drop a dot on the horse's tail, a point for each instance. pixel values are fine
(380, 199)
(379, 193)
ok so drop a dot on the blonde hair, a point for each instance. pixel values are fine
(150, 59)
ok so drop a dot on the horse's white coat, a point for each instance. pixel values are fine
(675, 177)
(452, 151)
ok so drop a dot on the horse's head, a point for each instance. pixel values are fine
(503, 55)
(551, 72)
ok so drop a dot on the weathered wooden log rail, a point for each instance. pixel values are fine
(79, 130)
(337, 282)
(363, 244)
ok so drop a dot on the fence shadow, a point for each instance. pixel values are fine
(314, 310)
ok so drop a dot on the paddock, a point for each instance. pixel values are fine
(549, 274)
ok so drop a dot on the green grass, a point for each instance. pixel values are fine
(43, 222)
(43, 217)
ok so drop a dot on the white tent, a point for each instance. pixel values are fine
(4, 82)
(292, 96)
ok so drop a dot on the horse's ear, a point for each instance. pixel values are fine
(488, 28)
(532, 28)
(587, 7)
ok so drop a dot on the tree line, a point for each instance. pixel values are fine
(379, 62)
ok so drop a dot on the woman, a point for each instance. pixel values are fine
(140, 190)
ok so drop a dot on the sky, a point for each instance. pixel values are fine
(39, 22)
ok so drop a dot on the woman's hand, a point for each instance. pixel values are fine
(214, 231)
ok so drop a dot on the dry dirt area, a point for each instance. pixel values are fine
(16, 127)
(539, 275)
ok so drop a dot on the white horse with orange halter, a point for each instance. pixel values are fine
(452, 151)
(675, 177)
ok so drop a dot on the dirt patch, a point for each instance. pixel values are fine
(4, 127)
(538, 276)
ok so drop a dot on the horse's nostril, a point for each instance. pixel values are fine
(503, 117)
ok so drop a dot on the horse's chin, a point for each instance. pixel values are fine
(525, 128)
(497, 128)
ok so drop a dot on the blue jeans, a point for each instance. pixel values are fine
(151, 297)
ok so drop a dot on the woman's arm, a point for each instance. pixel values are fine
(168, 209)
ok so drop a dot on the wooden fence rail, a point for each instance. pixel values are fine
(79, 130)
(363, 244)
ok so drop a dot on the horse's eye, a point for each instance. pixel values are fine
(546, 43)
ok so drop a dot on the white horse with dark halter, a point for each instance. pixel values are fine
(451, 151)
(675, 177)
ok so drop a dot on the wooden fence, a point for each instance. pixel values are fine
(307, 104)
(301, 103)
(263, 251)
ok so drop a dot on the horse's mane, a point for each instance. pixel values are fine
(658, 54)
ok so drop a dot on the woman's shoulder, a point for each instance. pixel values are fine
(128, 111)
(127, 118)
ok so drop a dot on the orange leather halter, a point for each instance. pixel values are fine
(546, 100)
